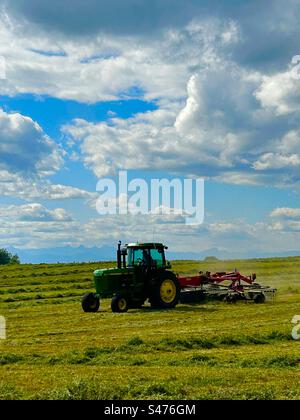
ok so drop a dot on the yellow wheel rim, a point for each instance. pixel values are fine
(122, 304)
(168, 291)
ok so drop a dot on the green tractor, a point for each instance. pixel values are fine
(142, 273)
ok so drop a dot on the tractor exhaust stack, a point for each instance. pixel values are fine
(119, 256)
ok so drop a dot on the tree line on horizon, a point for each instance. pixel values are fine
(7, 258)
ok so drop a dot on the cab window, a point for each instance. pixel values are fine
(135, 257)
(157, 257)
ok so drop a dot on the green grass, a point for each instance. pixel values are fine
(208, 351)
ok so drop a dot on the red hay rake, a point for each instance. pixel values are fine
(230, 287)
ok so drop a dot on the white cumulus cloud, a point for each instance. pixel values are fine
(25, 148)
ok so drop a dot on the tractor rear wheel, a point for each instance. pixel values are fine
(166, 293)
(90, 303)
(119, 304)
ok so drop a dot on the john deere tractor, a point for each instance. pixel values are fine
(142, 273)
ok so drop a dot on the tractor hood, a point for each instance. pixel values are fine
(109, 281)
(109, 272)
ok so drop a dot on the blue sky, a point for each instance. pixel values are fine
(200, 89)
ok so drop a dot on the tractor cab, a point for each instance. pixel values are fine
(148, 255)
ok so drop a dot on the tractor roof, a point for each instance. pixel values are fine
(146, 245)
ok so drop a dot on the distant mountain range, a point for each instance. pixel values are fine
(70, 254)
(66, 254)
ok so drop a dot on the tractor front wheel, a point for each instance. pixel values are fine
(90, 303)
(166, 293)
(119, 304)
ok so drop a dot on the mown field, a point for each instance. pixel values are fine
(209, 351)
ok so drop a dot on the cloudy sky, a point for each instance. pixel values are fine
(162, 88)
